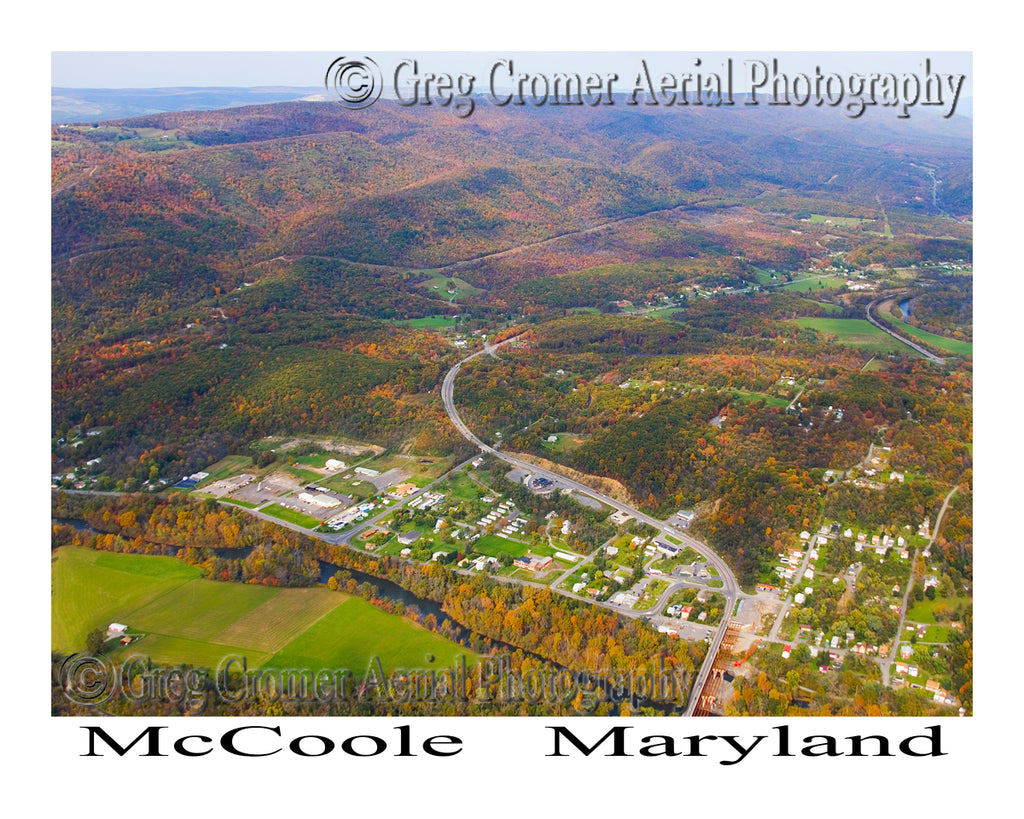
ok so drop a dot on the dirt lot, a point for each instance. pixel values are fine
(270, 488)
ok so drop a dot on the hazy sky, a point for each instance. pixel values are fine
(128, 69)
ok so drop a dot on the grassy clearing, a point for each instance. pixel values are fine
(318, 460)
(924, 611)
(650, 595)
(226, 467)
(838, 221)
(358, 488)
(93, 589)
(451, 289)
(857, 333)
(816, 283)
(354, 632)
(492, 545)
(304, 475)
(567, 441)
(277, 511)
(665, 313)
(431, 322)
(422, 468)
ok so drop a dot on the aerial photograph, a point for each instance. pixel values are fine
(514, 384)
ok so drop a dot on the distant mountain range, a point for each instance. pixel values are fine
(100, 104)
(96, 104)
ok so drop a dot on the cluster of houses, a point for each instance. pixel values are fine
(425, 501)
(881, 544)
(514, 522)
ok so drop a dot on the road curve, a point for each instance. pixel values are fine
(730, 589)
(889, 331)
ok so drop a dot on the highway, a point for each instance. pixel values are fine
(730, 589)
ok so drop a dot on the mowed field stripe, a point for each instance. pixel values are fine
(199, 609)
(272, 625)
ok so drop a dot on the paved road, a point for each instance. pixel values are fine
(886, 664)
(730, 589)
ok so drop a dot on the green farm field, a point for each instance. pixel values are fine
(857, 333)
(188, 619)
(355, 632)
(812, 284)
(950, 345)
(92, 589)
(431, 322)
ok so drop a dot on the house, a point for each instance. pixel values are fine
(786, 652)
(685, 612)
(406, 538)
(117, 628)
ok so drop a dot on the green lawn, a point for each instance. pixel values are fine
(567, 441)
(924, 612)
(354, 632)
(277, 511)
(492, 545)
